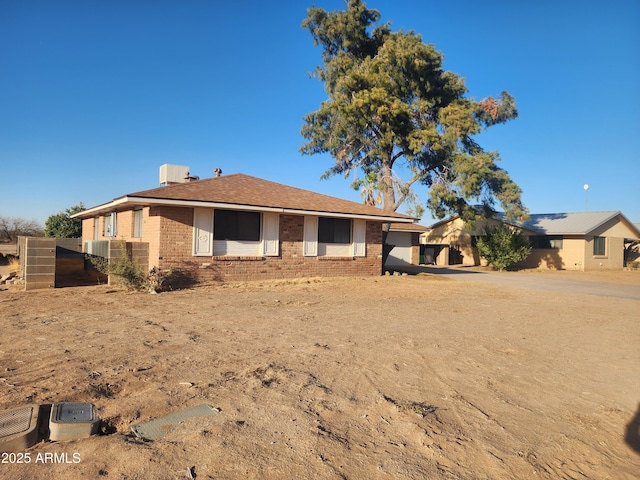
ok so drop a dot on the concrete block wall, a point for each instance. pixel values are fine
(39, 262)
(137, 251)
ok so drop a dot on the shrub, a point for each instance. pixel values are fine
(502, 246)
(129, 272)
(14, 263)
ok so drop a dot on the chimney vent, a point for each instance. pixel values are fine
(190, 178)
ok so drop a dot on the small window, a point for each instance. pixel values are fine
(556, 243)
(137, 224)
(236, 225)
(110, 225)
(546, 242)
(334, 230)
(599, 245)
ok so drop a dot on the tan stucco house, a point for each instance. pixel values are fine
(562, 241)
(239, 227)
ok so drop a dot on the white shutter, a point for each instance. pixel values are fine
(310, 239)
(359, 238)
(113, 225)
(202, 232)
(270, 234)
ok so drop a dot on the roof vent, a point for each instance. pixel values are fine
(170, 174)
(217, 172)
(191, 178)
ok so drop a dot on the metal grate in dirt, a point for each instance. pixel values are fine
(18, 427)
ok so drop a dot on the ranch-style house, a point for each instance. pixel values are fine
(238, 227)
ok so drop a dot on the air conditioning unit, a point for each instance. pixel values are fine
(97, 248)
(170, 174)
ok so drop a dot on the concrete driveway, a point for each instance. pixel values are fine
(536, 282)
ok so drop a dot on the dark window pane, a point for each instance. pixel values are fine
(599, 246)
(546, 242)
(334, 230)
(236, 225)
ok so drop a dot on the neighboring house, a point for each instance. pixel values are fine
(238, 227)
(573, 241)
(405, 238)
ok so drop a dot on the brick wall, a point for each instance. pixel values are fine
(176, 252)
(168, 232)
(88, 229)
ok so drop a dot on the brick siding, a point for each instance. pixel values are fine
(169, 234)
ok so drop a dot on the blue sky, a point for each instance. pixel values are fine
(96, 95)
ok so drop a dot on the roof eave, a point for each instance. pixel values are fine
(148, 201)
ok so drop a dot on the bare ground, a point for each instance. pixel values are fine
(389, 377)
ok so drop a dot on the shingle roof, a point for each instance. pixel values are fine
(408, 227)
(247, 191)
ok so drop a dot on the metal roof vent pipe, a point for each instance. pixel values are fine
(217, 172)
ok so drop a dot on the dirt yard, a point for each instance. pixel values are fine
(406, 377)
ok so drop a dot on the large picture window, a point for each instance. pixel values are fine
(236, 225)
(599, 245)
(334, 230)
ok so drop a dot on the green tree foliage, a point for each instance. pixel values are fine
(61, 225)
(390, 104)
(502, 246)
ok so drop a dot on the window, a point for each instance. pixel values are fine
(546, 242)
(334, 237)
(334, 230)
(137, 224)
(599, 245)
(235, 233)
(236, 225)
(110, 225)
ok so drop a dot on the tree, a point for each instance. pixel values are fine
(61, 225)
(502, 246)
(13, 227)
(391, 104)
